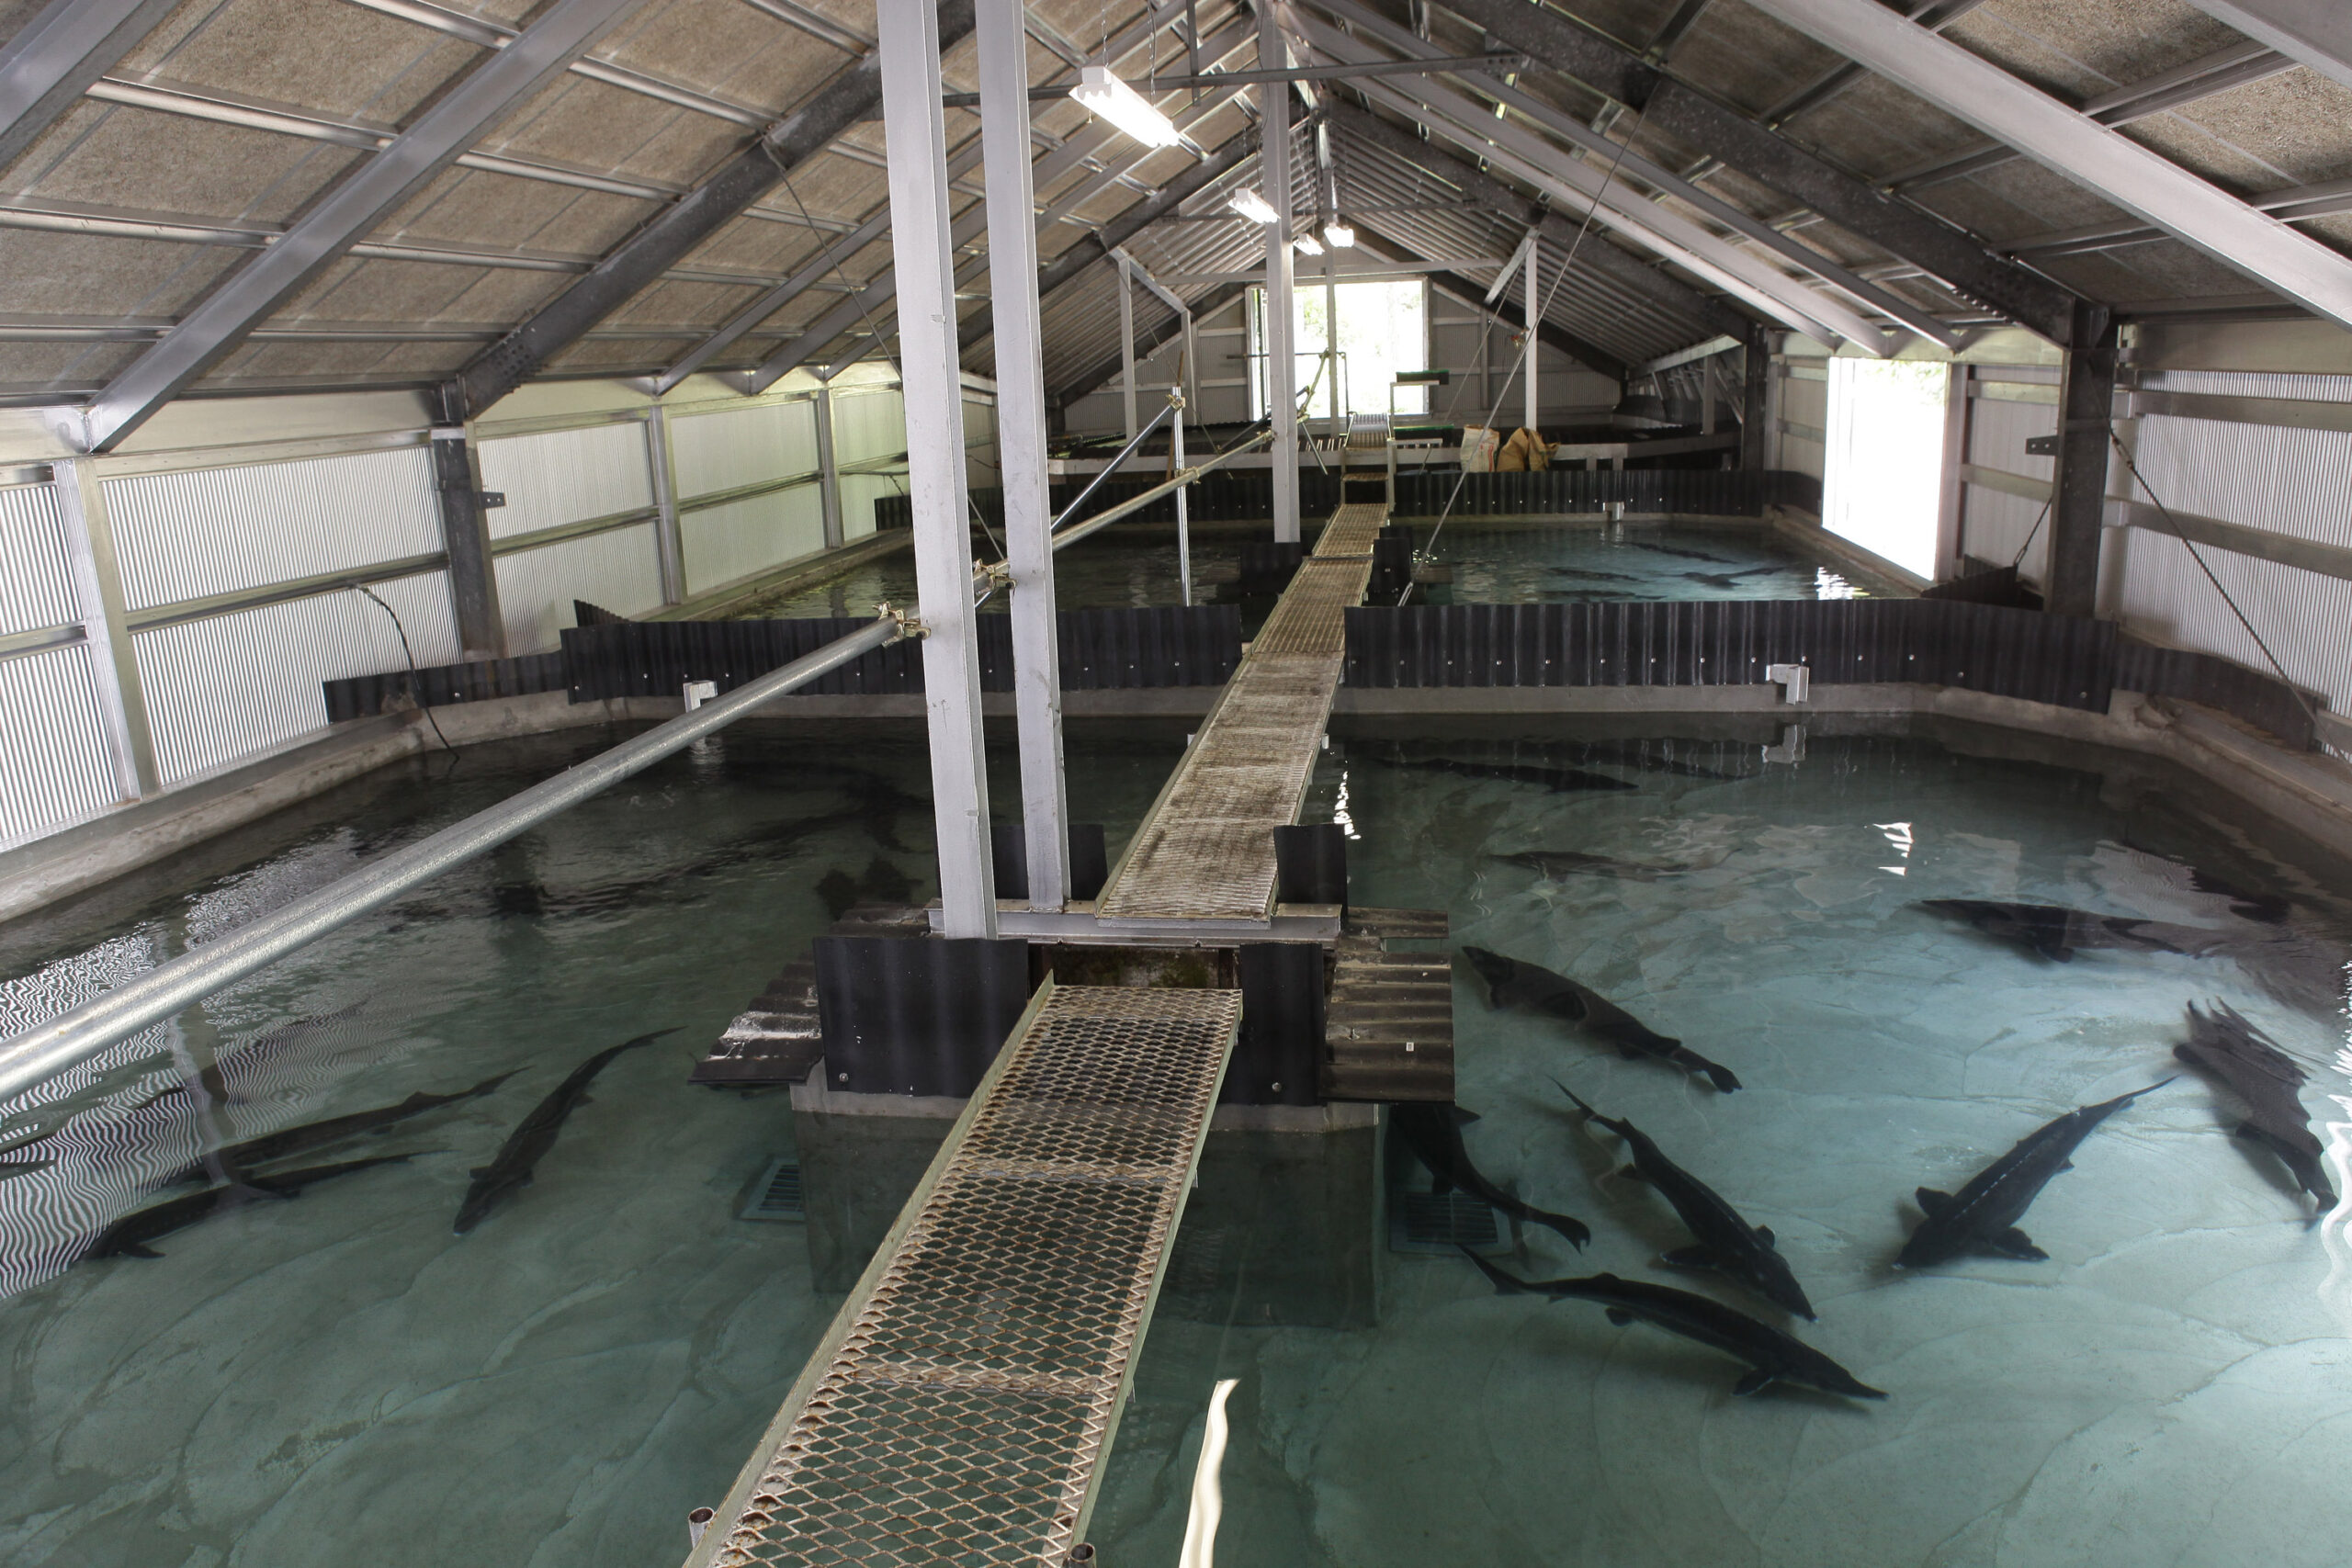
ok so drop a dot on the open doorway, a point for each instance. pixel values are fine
(1883, 471)
(1383, 330)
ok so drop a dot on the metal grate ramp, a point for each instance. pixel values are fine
(1207, 852)
(962, 1403)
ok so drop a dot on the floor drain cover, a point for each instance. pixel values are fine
(776, 1194)
(1431, 1222)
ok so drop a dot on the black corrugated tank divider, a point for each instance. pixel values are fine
(357, 696)
(1699, 493)
(1089, 860)
(917, 1015)
(1311, 864)
(1280, 1054)
(1152, 646)
(2065, 660)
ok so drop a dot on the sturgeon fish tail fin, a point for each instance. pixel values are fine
(1575, 1232)
(1506, 1284)
(1581, 1105)
(1754, 1382)
(1721, 1077)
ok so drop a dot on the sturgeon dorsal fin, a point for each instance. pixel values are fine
(1632, 1172)
(2015, 1243)
(1932, 1201)
(1754, 1382)
(139, 1249)
(1620, 1317)
(1463, 1117)
(1764, 1233)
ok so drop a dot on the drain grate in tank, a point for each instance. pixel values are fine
(1439, 1222)
(776, 1195)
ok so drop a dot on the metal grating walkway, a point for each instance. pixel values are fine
(960, 1407)
(1206, 851)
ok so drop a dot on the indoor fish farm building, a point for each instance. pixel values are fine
(1200, 784)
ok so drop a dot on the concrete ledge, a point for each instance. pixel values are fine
(1881, 576)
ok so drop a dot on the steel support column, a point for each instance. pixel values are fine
(1021, 441)
(105, 629)
(1282, 390)
(1530, 405)
(2078, 487)
(1951, 514)
(669, 544)
(915, 135)
(465, 534)
(828, 470)
(1756, 400)
(1127, 346)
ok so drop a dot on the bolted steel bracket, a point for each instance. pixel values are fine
(909, 625)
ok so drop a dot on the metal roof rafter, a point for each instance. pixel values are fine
(55, 57)
(346, 212)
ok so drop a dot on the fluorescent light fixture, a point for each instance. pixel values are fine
(1105, 95)
(1338, 235)
(1308, 245)
(1252, 206)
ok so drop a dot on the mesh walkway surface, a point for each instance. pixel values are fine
(1207, 849)
(960, 1410)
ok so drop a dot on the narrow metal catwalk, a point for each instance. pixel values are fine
(1206, 850)
(959, 1409)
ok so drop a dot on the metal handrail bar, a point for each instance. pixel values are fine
(1112, 466)
(1133, 503)
(82, 1032)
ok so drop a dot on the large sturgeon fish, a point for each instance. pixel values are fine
(1749, 1254)
(2249, 1065)
(1983, 1216)
(510, 1172)
(2057, 932)
(129, 1236)
(1434, 1135)
(1512, 982)
(1776, 1357)
(334, 1129)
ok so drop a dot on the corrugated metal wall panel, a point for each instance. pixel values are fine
(217, 530)
(2302, 614)
(1995, 524)
(744, 446)
(619, 569)
(868, 423)
(222, 689)
(36, 587)
(2295, 482)
(54, 764)
(1803, 402)
(859, 492)
(2252, 384)
(725, 544)
(563, 476)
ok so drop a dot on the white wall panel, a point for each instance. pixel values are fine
(36, 587)
(2302, 615)
(726, 543)
(2252, 384)
(868, 423)
(617, 570)
(1995, 525)
(565, 476)
(858, 495)
(222, 689)
(2295, 482)
(744, 446)
(54, 764)
(217, 530)
(1804, 402)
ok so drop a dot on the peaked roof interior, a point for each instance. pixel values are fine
(227, 121)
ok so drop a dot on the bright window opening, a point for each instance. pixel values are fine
(1883, 470)
(1383, 330)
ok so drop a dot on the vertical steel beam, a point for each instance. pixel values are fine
(465, 534)
(915, 138)
(1282, 389)
(1021, 440)
(828, 470)
(1331, 344)
(98, 599)
(2078, 489)
(1951, 514)
(1534, 338)
(56, 56)
(1127, 346)
(669, 544)
(1756, 401)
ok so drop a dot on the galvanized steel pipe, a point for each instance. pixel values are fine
(75, 1036)
(1135, 503)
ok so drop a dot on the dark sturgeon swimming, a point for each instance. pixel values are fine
(1983, 1216)
(1434, 1135)
(334, 1129)
(1776, 1357)
(1513, 983)
(2249, 1064)
(1559, 864)
(2057, 932)
(510, 1172)
(130, 1235)
(1749, 1254)
(1558, 780)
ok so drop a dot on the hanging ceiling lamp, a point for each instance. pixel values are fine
(1338, 235)
(1252, 206)
(1104, 94)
